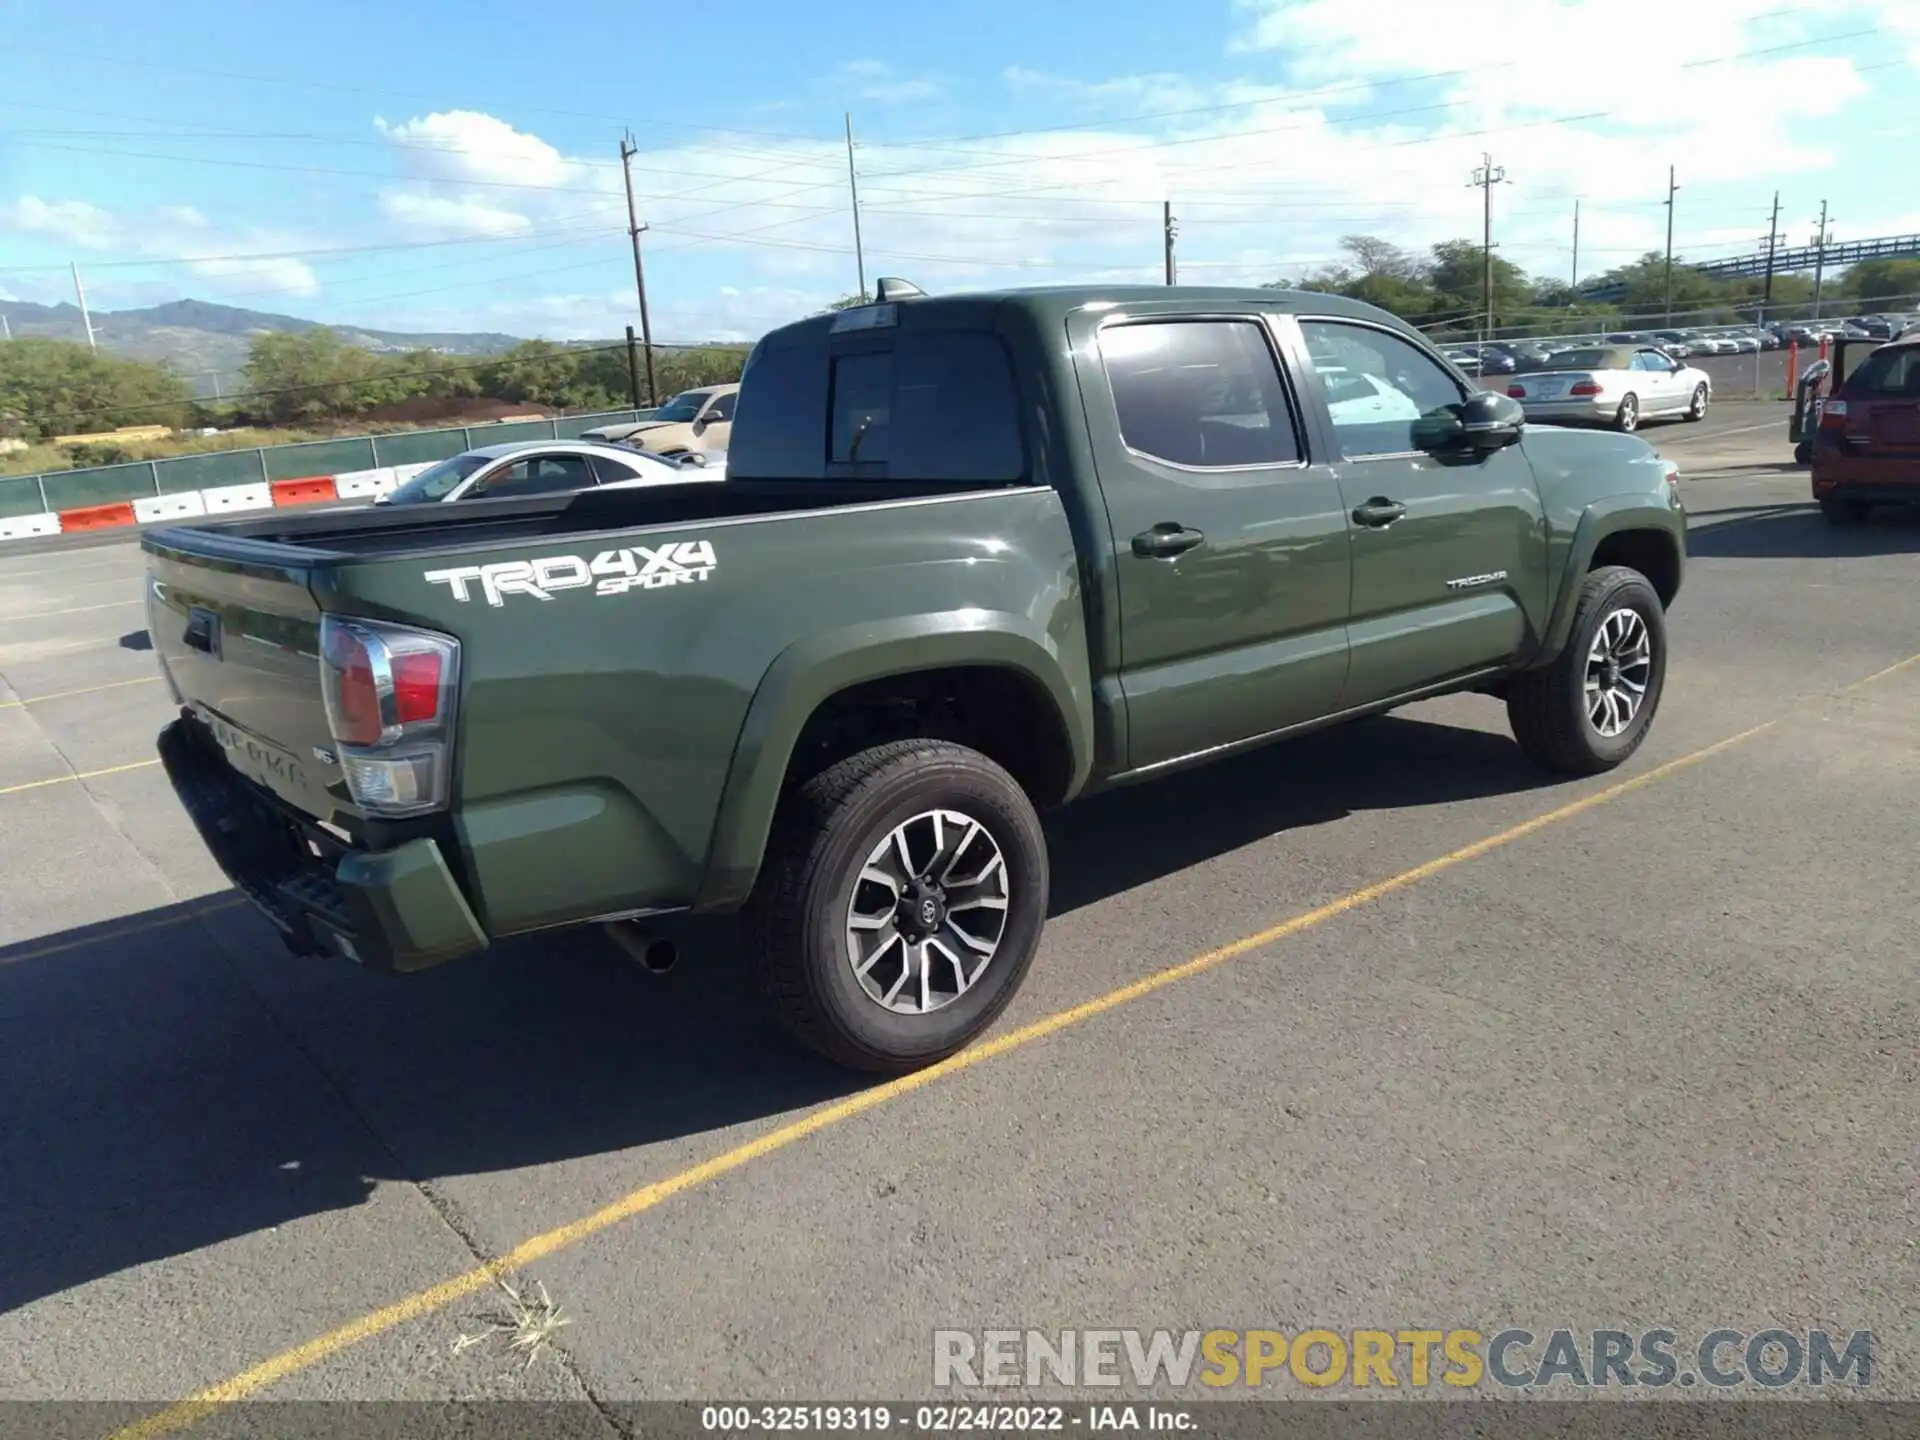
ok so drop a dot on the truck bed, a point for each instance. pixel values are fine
(402, 531)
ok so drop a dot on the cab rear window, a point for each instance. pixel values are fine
(923, 405)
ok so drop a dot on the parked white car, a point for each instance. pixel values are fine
(1617, 385)
(543, 467)
(1356, 398)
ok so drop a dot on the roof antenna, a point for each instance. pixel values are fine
(889, 287)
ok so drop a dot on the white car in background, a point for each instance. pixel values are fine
(1617, 385)
(1355, 397)
(520, 468)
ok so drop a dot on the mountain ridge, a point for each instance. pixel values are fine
(208, 342)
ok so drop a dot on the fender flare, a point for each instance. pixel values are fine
(811, 671)
(1607, 516)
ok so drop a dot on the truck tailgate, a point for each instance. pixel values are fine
(239, 639)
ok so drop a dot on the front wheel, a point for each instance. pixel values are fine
(1627, 418)
(1698, 409)
(1589, 710)
(900, 904)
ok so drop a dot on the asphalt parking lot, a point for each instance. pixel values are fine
(1648, 1061)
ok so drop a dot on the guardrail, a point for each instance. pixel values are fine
(163, 485)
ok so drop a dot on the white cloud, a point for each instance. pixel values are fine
(73, 221)
(176, 233)
(430, 216)
(468, 145)
(881, 83)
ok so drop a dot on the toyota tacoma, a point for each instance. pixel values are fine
(976, 556)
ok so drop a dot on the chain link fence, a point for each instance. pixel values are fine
(58, 490)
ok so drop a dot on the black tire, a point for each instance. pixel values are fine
(1698, 409)
(1841, 510)
(1547, 707)
(822, 837)
(1627, 418)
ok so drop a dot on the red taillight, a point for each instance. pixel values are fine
(1584, 387)
(1833, 415)
(353, 699)
(389, 692)
(1516, 392)
(416, 687)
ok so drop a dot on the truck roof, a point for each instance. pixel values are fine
(1058, 301)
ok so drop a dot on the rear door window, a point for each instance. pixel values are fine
(1203, 394)
(538, 475)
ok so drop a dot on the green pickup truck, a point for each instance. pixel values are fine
(976, 556)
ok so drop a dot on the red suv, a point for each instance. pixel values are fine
(1866, 450)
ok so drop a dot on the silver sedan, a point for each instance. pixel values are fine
(540, 467)
(1617, 385)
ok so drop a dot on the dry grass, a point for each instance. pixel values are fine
(528, 1324)
(51, 459)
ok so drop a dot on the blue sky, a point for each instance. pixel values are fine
(441, 166)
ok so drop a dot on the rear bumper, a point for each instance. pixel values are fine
(1840, 471)
(393, 910)
(1580, 411)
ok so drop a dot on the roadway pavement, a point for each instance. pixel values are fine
(1651, 1062)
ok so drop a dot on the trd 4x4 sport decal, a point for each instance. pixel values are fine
(611, 572)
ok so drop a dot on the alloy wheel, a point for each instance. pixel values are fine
(1619, 667)
(927, 912)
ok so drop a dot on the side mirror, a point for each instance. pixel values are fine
(1487, 421)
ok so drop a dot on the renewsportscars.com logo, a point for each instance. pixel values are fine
(1513, 1358)
(611, 572)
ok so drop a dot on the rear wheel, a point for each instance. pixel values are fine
(1698, 409)
(900, 904)
(1627, 418)
(1590, 709)
(1842, 510)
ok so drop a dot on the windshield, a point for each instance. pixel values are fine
(682, 407)
(435, 481)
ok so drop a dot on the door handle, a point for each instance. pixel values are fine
(1378, 513)
(1165, 540)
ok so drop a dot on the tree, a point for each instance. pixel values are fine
(1457, 279)
(58, 388)
(1382, 258)
(847, 302)
(1881, 281)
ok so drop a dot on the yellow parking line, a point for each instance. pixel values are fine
(1892, 669)
(83, 690)
(127, 933)
(75, 609)
(437, 1297)
(79, 775)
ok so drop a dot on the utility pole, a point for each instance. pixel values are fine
(633, 370)
(853, 189)
(6, 330)
(1168, 229)
(1671, 190)
(1819, 259)
(627, 151)
(85, 318)
(1773, 242)
(1576, 247)
(214, 375)
(1486, 177)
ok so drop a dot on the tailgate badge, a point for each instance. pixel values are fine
(203, 631)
